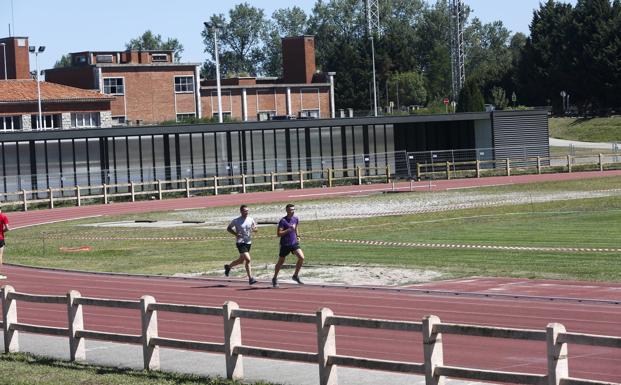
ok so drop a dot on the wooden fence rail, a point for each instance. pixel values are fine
(431, 327)
(535, 164)
(214, 185)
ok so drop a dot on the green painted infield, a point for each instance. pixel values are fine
(589, 222)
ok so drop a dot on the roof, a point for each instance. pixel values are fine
(25, 91)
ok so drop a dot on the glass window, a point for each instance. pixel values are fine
(10, 123)
(48, 121)
(159, 57)
(185, 117)
(85, 119)
(119, 120)
(114, 86)
(184, 83)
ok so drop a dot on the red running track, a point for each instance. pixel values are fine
(592, 308)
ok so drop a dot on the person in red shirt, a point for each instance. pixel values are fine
(4, 227)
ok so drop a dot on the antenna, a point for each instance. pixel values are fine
(458, 57)
(12, 19)
(373, 28)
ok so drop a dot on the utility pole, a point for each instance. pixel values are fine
(458, 57)
(373, 28)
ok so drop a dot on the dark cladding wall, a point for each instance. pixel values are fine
(41, 164)
(522, 134)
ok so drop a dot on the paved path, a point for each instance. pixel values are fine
(601, 145)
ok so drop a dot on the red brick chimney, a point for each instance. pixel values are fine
(17, 58)
(298, 59)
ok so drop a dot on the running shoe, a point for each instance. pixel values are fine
(252, 281)
(297, 279)
(275, 282)
(227, 270)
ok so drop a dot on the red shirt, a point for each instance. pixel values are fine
(3, 220)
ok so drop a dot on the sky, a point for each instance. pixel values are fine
(64, 26)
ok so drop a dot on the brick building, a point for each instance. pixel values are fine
(146, 86)
(302, 92)
(61, 106)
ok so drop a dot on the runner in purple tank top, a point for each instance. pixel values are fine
(287, 231)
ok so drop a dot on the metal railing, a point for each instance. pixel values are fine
(433, 368)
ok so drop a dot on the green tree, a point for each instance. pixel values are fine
(407, 89)
(470, 97)
(286, 22)
(149, 41)
(64, 61)
(499, 98)
(240, 41)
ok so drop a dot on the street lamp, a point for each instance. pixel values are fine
(4, 61)
(37, 51)
(214, 27)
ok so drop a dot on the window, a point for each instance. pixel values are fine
(114, 86)
(159, 57)
(119, 120)
(80, 59)
(10, 123)
(49, 121)
(184, 83)
(85, 119)
(265, 115)
(224, 114)
(309, 114)
(184, 117)
(103, 58)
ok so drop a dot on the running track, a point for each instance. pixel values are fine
(593, 308)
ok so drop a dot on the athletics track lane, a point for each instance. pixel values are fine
(594, 318)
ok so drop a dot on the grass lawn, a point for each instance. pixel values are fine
(586, 130)
(586, 223)
(25, 369)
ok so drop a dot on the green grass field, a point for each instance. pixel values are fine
(586, 130)
(25, 369)
(586, 223)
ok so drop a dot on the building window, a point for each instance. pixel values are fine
(103, 58)
(225, 114)
(185, 117)
(81, 59)
(49, 121)
(114, 86)
(119, 121)
(184, 83)
(265, 115)
(159, 57)
(10, 123)
(309, 114)
(85, 119)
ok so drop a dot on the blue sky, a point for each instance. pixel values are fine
(65, 26)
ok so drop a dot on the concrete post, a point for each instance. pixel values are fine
(243, 180)
(448, 170)
(187, 187)
(601, 162)
(478, 164)
(432, 350)
(302, 179)
(558, 367)
(330, 176)
(51, 196)
(508, 161)
(132, 190)
(159, 189)
(359, 172)
(215, 185)
(9, 316)
(150, 353)
(326, 347)
(25, 200)
(232, 338)
(77, 349)
(568, 163)
(78, 197)
(538, 165)
(273, 180)
(105, 193)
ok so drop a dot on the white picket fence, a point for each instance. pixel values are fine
(433, 368)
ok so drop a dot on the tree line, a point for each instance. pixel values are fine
(571, 49)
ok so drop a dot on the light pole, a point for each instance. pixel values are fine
(214, 28)
(4, 61)
(37, 51)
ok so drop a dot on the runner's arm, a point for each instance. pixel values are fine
(230, 228)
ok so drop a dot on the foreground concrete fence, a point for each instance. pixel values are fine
(431, 327)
